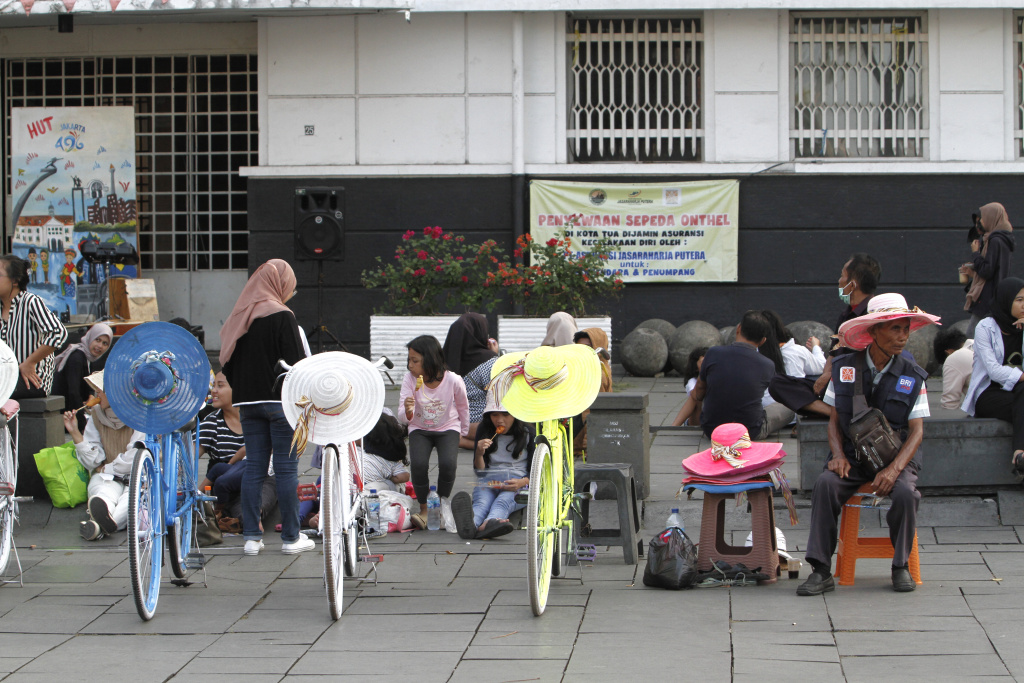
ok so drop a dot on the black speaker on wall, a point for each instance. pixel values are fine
(320, 224)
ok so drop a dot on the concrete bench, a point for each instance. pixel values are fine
(40, 426)
(618, 431)
(957, 452)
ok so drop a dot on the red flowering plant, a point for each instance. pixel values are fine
(557, 278)
(434, 271)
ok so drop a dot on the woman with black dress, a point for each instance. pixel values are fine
(77, 362)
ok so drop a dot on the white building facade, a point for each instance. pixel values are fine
(880, 130)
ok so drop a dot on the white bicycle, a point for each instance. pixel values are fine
(8, 484)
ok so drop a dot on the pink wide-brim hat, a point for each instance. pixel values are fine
(732, 451)
(855, 334)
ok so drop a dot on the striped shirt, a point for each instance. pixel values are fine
(376, 468)
(217, 438)
(30, 325)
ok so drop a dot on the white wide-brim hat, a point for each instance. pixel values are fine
(334, 397)
(855, 333)
(8, 372)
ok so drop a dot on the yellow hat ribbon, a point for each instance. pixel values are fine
(307, 417)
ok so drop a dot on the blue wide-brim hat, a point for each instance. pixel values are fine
(157, 377)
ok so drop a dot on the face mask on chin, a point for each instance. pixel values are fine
(843, 296)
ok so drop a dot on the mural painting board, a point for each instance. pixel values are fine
(72, 179)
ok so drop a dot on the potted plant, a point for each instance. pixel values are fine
(556, 279)
(432, 272)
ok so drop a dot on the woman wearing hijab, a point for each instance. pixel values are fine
(261, 330)
(468, 351)
(997, 383)
(561, 328)
(77, 362)
(991, 261)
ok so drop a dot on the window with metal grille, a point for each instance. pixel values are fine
(635, 91)
(1018, 110)
(195, 125)
(859, 86)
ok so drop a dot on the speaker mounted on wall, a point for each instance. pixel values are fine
(320, 224)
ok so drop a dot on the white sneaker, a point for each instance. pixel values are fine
(299, 545)
(253, 547)
(447, 518)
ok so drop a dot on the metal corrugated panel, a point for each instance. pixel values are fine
(390, 333)
(523, 334)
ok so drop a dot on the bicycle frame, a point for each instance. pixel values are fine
(168, 448)
(562, 466)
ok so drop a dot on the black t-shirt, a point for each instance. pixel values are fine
(251, 369)
(736, 377)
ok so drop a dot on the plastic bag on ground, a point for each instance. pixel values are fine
(671, 561)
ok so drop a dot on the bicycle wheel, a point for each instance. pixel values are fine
(8, 482)
(331, 503)
(349, 514)
(540, 516)
(179, 532)
(145, 542)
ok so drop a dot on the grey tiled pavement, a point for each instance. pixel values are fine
(447, 610)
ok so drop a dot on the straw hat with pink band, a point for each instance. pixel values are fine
(855, 333)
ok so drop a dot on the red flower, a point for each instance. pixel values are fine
(437, 231)
(422, 255)
(403, 290)
(409, 234)
(518, 253)
(552, 242)
(438, 268)
(447, 236)
(428, 231)
(458, 258)
(465, 278)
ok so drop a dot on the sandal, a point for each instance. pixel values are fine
(230, 525)
(494, 528)
(418, 521)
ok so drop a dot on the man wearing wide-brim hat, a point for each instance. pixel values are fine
(895, 385)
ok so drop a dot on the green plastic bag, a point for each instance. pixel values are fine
(66, 480)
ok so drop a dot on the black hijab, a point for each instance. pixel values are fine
(465, 347)
(1006, 292)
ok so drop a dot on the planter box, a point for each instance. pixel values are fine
(390, 333)
(517, 333)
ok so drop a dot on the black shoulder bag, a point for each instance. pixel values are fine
(875, 444)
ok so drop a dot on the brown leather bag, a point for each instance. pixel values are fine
(875, 444)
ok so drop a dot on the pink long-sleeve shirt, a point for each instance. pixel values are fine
(437, 410)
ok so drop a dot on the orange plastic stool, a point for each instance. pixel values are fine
(853, 547)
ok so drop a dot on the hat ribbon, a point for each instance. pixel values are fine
(307, 417)
(502, 382)
(165, 357)
(731, 454)
(898, 309)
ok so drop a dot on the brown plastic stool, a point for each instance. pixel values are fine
(853, 547)
(764, 553)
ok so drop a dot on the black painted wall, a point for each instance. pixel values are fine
(795, 234)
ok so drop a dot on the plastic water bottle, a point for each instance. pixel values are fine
(433, 510)
(373, 513)
(675, 520)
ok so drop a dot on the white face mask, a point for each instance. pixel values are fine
(843, 296)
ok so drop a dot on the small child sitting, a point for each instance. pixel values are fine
(502, 459)
(107, 449)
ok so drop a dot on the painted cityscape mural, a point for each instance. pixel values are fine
(73, 179)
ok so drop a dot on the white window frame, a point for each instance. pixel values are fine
(844, 141)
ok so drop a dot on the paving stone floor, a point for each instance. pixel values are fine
(443, 609)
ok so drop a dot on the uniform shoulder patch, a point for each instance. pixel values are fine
(905, 385)
(847, 375)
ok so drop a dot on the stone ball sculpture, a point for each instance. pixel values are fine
(689, 336)
(665, 329)
(922, 344)
(962, 325)
(802, 329)
(728, 334)
(643, 353)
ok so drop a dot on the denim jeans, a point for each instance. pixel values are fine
(267, 432)
(227, 480)
(489, 503)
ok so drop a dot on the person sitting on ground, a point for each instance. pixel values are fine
(77, 362)
(470, 352)
(221, 440)
(502, 460)
(997, 383)
(858, 281)
(895, 385)
(956, 353)
(689, 414)
(106, 448)
(732, 382)
(561, 328)
(384, 455)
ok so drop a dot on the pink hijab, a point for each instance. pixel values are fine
(264, 294)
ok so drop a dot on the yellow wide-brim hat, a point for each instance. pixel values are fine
(547, 383)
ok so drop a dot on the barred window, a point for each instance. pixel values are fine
(195, 125)
(1018, 111)
(859, 86)
(635, 91)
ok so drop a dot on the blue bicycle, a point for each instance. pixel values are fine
(157, 378)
